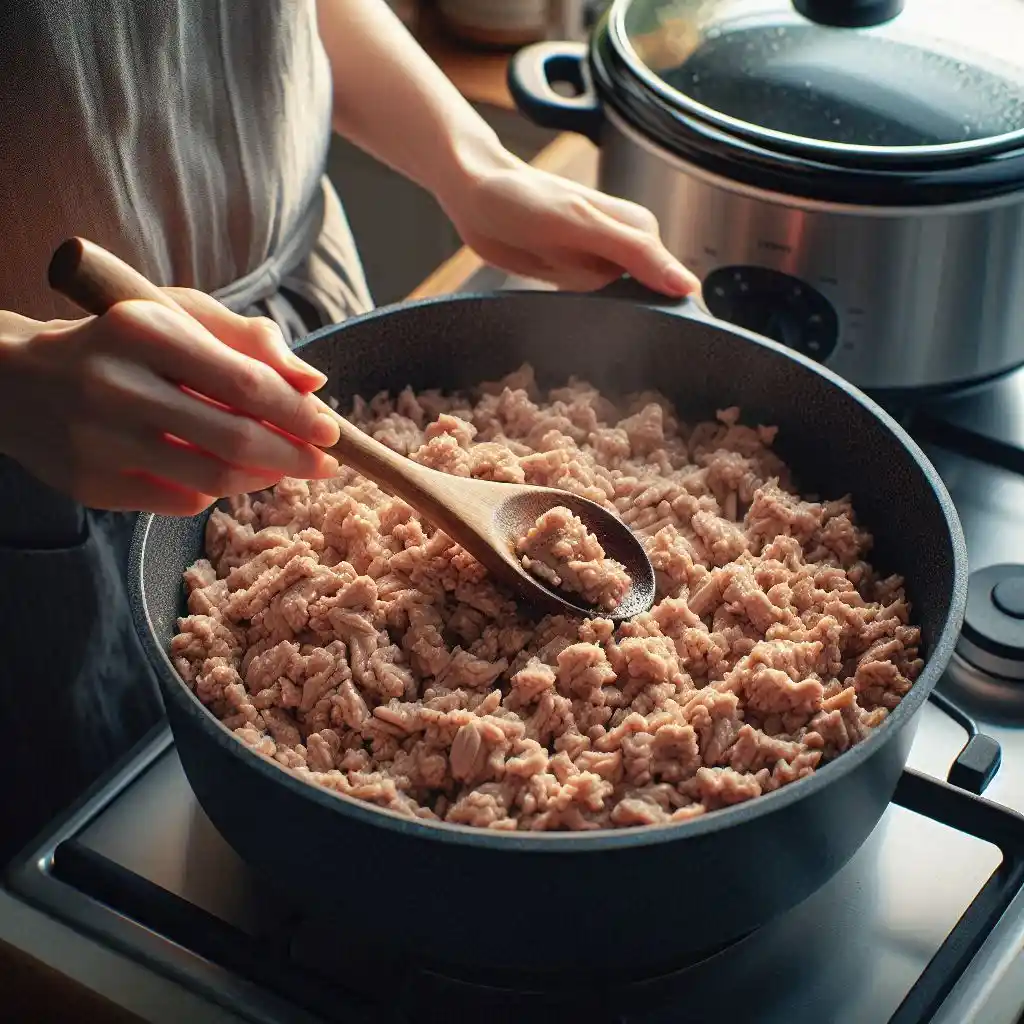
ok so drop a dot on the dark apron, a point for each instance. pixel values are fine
(76, 691)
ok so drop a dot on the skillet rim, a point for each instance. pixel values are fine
(599, 839)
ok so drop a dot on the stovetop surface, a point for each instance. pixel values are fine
(868, 934)
(850, 954)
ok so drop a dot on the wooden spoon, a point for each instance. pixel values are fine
(484, 517)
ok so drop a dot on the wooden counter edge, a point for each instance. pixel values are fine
(570, 156)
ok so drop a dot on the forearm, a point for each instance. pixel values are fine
(392, 100)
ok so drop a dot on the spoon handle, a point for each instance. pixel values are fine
(437, 496)
(95, 280)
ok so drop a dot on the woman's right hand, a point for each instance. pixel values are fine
(98, 408)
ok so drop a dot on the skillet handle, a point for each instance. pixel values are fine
(629, 290)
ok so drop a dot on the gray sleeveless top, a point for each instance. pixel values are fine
(189, 137)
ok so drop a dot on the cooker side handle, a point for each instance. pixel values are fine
(533, 74)
(627, 289)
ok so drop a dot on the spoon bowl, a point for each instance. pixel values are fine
(522, 506)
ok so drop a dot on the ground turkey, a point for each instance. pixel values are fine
(562, 552)
(337, 633)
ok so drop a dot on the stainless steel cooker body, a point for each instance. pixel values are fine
(888, 297)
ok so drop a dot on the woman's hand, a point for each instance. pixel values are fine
(146, 408)
(536, 224)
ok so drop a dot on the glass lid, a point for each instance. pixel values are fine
(919, 78)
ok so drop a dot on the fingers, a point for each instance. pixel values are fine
(235, 439)
(257, 337)
(180, 349)
(625, 235)
(586, 274)
(637, 252)
(512, 260)
(180, 464)
(631, 214)
(124, 393)
(134, 492)
(566, 269)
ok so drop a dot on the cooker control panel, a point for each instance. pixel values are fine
(775, 305)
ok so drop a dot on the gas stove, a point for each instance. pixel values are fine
(924, 924)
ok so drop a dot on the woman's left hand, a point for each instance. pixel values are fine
(539, 225)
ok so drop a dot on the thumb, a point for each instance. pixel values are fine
(257, 337)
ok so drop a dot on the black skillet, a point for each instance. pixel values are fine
(629, 900)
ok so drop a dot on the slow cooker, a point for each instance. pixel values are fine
(846, 178)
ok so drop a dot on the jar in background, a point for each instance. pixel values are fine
(498, 23)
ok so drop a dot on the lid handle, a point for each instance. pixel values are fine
(849, 13)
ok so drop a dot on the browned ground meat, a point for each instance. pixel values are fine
(334, 631)
(562, 552)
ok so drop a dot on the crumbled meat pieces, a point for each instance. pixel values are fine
(337, 633)
(562, 552)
